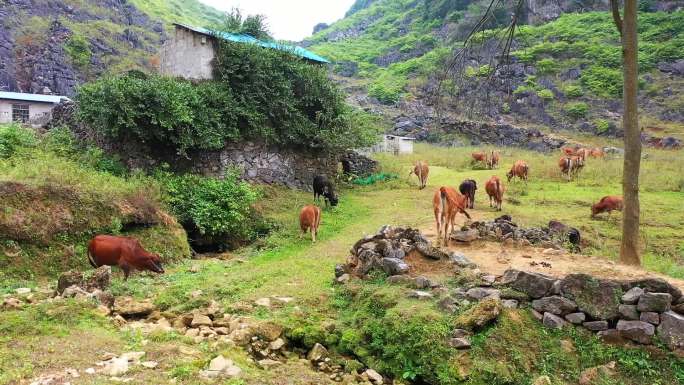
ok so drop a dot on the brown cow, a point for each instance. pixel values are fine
(568, 151)
(519, 169)
(607, 203)
(421, 170)
(596, 153)
(495, 190)
(309, 220)
(446, 203)
(570, 165)
(583, 153)
(479, 157)
(125, 252)
(493, 161)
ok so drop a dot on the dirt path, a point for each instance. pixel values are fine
(495, 258)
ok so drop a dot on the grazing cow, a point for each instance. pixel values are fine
(446, 203)
(570, 165)
(570, 233)
(568, 151)
(596, 153)
(468, 188)
(495, 190)
(309, 220)
(125, 252)
(582, 153)
(421, 170)
(479, 157)
(519, 169)
(607, 203)
(493, 161)
(323, 187)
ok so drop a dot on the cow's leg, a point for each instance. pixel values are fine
(313, 234)
(126, 270)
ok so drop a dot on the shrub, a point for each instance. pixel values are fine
(13, 137)
(545, 94)
(602, 125)
(546, 66)
(573, 91)
(481, 71)
(214, 207)
(577, 110)
(604, 82)
(78, 49)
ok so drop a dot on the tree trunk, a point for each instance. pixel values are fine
(629, 249)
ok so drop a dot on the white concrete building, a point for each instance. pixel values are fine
(28, 109)
(398, 144)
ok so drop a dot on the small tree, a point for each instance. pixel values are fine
(252, 25)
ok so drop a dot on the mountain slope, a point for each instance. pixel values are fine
(566, 60)
(60, 44)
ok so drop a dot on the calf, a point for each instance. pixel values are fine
(468, 188)
(323, 187)
(519, 169)
(570, 165)
(607, 203)
(493, 161)
(479, 157)
(125, 252)
(309, 220)
(446, 203)
(421, 170)
(596, 153)
(495, 190)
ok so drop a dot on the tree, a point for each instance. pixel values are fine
(252, 25)
(629, 247)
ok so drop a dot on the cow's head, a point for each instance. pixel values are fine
(509, 175)
(330, 195)
(594, 210)
(153, 263)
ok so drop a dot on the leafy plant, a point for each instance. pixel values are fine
(14, 137)
(78, 49)
(602, 81)
(546, 66)
(573, 91)
(545, 94)
(602, 125)
(577, 110)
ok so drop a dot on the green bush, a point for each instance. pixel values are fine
(78, 49)
(214, 207)
(602, 125)
(602, 81)
(577, 110)
(546, 66)
(62, 142)
(573, 91)
(545, 94)
(14, 137)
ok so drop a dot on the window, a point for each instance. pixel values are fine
(20, 113)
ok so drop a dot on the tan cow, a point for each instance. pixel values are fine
(519, 169)
(309, 220)
(446, 203)
(421, 170)
(495, 189)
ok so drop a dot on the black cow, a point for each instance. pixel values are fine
(323, 187)
(568, 233)
(468, 188)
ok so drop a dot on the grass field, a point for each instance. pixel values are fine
(42, 339)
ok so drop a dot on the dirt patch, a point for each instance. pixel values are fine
(426, 267)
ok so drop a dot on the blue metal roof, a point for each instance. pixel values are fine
(241, 38)
(54, 99)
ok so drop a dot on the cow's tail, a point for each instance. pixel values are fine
(420, 173)
(91, 259)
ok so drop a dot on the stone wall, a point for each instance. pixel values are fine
(358, 164)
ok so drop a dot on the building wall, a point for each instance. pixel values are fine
(39, 113)
(187, 54)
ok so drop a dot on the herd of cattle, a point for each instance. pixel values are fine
(128, 253)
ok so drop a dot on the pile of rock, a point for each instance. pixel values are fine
(385, 251)
(635, 310)
(503, 228)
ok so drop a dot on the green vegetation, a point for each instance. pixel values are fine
(577, 110)
(192, 12)
(545, 94)
(252, 25)
(78, 49)
(573, 91)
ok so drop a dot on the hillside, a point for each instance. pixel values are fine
(60, 44)
(565, 71)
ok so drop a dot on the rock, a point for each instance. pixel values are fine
(220, 367)
(459, 343)
(317, 353)
(509, 303)
(488, 279)
(555, 304)
(374, 377)
(460, 260)
(478, 293)
(576, 318)
(418, 294)
(99, 279)
(460, 333)
(270, 331)
(22, 291)
(679, 308)
(628, 312)
(421, 283)
(596, 326)
(119, 321)
(68, 279)
(447, 304)
(650, 317)
(480, 315)
(537, 315)
(241, 336)
(637, 331)
(428, 251)
(343, 278)
(116, 366)
(200, 320)
(465, 236)
(11, 303)
(600, 299)
(592, 375)
(671, 330)
(533, 284)
(394, 266)
(611, 336)
(542, 380)
(277, 344)
(90, 371)
(654, 302)
(265, 302)
(399, 279)
(553, 321)
(658, 285)
(192, 333)
(149, 364)
(631, 297)
(127, 306)
(268, 364)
